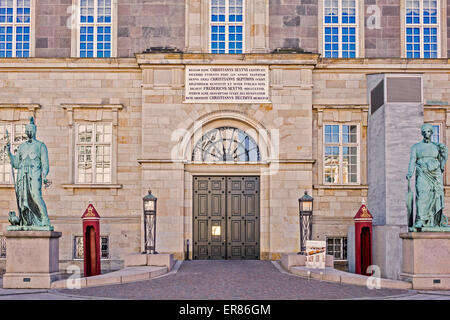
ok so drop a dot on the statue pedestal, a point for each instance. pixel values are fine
(32, 259)
(426, 260)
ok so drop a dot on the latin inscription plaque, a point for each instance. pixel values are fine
(227, 84)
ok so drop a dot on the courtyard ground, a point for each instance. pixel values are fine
(225, 280)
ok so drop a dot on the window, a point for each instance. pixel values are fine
(436, 137)
(341, 154)
(104, 247)
(227, 26)
(95, 36)
(340, 28)
(337, 247)
(93, 153)
(78, 247)
(422, 28)
(15, 28)
(226, 144)
(16, 137)
(2, 246)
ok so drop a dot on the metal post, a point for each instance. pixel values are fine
(149, 206)
(305, 230)
(187, 250)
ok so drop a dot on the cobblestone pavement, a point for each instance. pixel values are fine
(227, 280)
(230, 280)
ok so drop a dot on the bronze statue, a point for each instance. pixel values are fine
(31, 161)
(428, 160)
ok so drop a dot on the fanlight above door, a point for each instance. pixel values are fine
(226, 144)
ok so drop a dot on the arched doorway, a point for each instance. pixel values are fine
(226, 209)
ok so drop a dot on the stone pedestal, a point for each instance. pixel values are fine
(32, 259)
(426, 260)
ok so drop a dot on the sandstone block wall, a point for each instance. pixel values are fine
(149, 23)
(294, 24)
(51, 84)
(385, 41)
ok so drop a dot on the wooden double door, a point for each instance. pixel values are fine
(226, 217)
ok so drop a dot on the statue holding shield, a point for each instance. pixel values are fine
(31, 162)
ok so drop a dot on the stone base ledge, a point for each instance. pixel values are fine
(425, 235)
(143, 259)
(31, 259)
(130, 274)
(29, 280)
(289, 260)
(426, 260)
(32, 234)
(427, 281)
(333, 275)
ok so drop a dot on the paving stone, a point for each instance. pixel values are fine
(231, 280)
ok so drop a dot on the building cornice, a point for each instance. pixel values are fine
(281, 60)
(76, 64)
(29, 106)
(321, 107)
(227, 59)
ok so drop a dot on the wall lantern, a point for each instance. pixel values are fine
(305, 204)
(150, 222)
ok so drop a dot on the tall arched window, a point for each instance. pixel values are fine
(226, 144)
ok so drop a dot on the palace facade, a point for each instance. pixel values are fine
(107, 82)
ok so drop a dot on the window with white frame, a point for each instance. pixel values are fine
(95, 34)
(15, 28)
(93, 153)
(78, 247)
(422, 28)
(17, 135)
(2, 246)
(340, 28)
(337, 247)
(436, 137)
(341, 153)
(227, 26)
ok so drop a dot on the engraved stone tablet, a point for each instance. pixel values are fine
(227, 84)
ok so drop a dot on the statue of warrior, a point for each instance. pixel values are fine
(31, 162)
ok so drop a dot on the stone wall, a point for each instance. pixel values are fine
(448, 28)
(141, 24)
(51, 84)
(294, 24)
(149, 23)
(53, 37)
(383, 42)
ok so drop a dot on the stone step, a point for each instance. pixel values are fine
(333, 275)
(128, 274)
